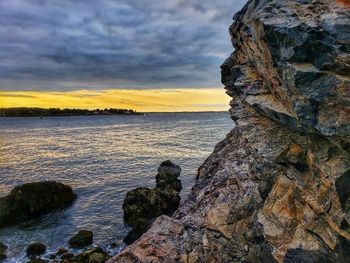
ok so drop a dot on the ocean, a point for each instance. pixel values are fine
(101, 157)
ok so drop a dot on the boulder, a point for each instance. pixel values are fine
(82, 239)
(36, 249)
(145, 203)
(29, 201)
(142, 205)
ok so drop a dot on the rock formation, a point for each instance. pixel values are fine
(142, 205)
(29, 201)
(83, 238)
(277, 188)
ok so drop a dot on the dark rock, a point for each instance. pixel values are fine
(82, 239)
(342, 185)
(142, 205)
(114, 245)
(52, 256)
(97, 258)
(305, 256)
(61, 251)
(166, 178)
(37, 260)
(149, 203)
(67, 256)
(36, 249)
(3, 249)
(87, 255)
(140, 227)
(29, 201)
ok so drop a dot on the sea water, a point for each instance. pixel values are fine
(101, 158)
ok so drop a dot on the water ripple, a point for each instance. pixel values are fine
(101, 157)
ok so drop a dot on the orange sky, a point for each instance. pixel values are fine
(160, 100)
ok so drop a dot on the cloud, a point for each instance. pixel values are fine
(66, 45)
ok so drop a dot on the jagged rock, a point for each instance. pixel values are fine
(276, 189)
(36, 249)
(29, 201)
(82, 239)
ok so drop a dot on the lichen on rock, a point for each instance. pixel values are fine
(277, 188)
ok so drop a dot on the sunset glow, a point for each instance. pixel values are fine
(154, 100)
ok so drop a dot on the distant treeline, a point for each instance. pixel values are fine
(29, 112)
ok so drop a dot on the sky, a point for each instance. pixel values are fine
(50, 47)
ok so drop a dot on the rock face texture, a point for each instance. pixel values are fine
(277, 189)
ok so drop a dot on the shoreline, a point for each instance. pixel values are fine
(126, 114)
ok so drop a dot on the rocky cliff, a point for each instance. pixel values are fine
(277, 188)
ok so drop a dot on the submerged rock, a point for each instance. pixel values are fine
(36, 249)
(67, 256)
(82, 239)
(29, 201)
(142, 205)
(276, 189)
(37, 260)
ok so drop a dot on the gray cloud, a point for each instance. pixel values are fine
(66, 44)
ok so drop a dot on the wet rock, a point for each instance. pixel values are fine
(67, 256)
(97, 258)
(36, 249)
(167, 177)
(145, 203)
(29, 201)
(3, 249)
(61, 251)
(91, 256)
(142, 205)
(140, 227)
(82, 239)
(37, 260)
